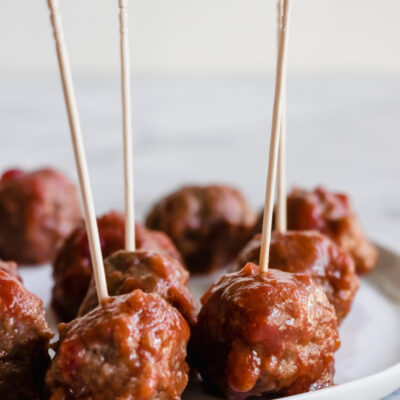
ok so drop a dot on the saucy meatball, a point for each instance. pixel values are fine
(24, 341)
(131, 347)
(10, 268)
(312, 253)
(208, 224)
(265, 335)
(150, 272)
(332, 214)
(72, 267)
(37, 210)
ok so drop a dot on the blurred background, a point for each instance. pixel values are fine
(210, 37)
(203, 78)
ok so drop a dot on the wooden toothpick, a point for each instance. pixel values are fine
(275, 137)
(281, 210)
(127, 127)
(79, 152)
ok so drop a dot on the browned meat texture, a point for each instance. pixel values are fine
(265, 335)
(312, 253)
(10, 268)
(208, 224)
(24, 341)
(72, 268)
(37, 210)
(150, 272)
(131, 348)
(332, 214)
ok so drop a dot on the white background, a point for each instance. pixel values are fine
(205, 36)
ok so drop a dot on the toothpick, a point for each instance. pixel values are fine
(127, 127)
(281, 209)
(275, 137)
(79, 152)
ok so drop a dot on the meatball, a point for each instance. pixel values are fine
(150, 272)
(10, 268)
(266, 335)
(312, 253)
(37, 210)
(24, 341)
(72, 268)
(131, 347)
(332, 214)
(208, 224)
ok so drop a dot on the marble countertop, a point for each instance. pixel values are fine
(343, 132)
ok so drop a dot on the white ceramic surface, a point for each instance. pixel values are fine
(368, 362)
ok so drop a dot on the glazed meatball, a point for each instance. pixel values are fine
(332, 214)
(24, 341)
(10, 268)
(72, 268)
(37, 210)
(265, 335)
(150, 272)
(131, 347)
(312, 253)
(208, 224)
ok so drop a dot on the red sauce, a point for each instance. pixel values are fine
(24, 341)
(131, 347)
(208, 224)
(72, 268)
(332, 214)
(10, 268)
(312, 253)
(37, 211)
(265, 335)
(150, 272)
(11, 174)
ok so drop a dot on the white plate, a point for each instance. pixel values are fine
(368, 362)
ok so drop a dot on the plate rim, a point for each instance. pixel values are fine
(386, 376)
